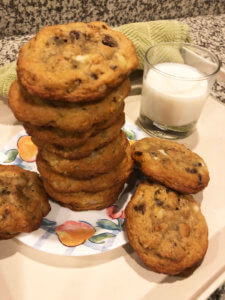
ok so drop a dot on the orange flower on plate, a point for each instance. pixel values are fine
(27, 149)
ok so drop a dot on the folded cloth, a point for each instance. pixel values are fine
(142, 34)
(7, 76)
(146, 34)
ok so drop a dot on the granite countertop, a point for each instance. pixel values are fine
(207, 31)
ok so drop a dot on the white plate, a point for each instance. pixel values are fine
(109, 232)
(209, 142)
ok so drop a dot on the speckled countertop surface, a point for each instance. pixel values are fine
(27, 16)
(208, 31)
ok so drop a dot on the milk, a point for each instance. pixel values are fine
(170, 100)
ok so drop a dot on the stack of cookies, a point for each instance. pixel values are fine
(164, 223)
(70, 91)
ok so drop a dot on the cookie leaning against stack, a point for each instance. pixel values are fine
(164, 225)
(70, 91)
(172, 164)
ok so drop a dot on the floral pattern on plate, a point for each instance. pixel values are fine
(67, 232)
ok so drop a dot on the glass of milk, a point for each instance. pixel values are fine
(177, 80)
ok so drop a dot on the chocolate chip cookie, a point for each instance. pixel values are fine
(60, 183)
(60, 137)
(63, 115)
(172, 164)
(23, 201)
(93, 142)
(85, 201)
(166, 229)
(100, 161)
(75, 62)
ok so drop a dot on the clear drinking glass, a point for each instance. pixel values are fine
(177, 80)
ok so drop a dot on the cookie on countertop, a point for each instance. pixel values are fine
(23, 201)
(75, 62)
(172, 164)
(67, 184)
(166, 229)
(78, 117)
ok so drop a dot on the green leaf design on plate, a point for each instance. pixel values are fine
(130, 135)
(99, 238)
(11, 155)
(107, 224)
(121, 223)
(47, 222)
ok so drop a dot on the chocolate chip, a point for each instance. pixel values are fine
(114, 99)
(91, 26)
(94, 76)
(5, 213)
(138, 153)
(197, 164)
(58, 41)
(55, 40)
(199, 178)
(192, 171)
(107, 40)
(77, 81)
(113, 67)
(74, 35)
(158, 202)
(5, 192)
(140, 208)
(87, 36)
(154, 154)
(74, 66)
(157, 192)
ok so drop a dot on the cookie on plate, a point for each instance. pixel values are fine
(100, 161)
(67, 184)
(78, 117)
(75, 62)
(23, 201)
(94, 142)
(166, 229)
(83, 200)
(57, 136)
(172, 164)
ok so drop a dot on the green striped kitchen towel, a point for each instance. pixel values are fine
(142, 34)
